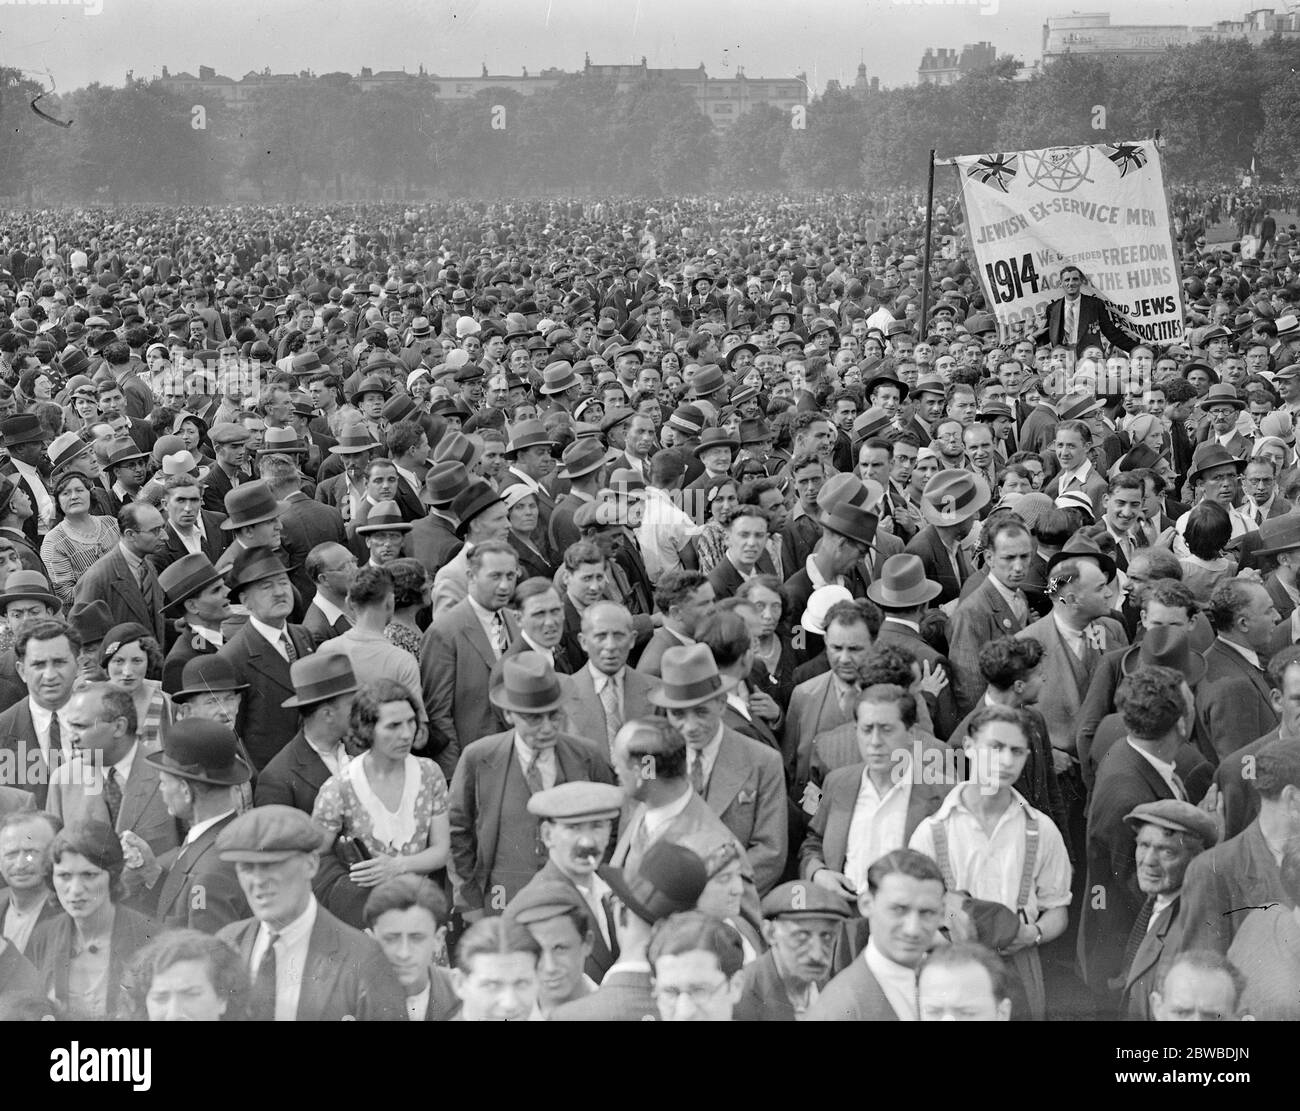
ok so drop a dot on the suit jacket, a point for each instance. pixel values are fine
(1237, 873)
(73, 799)
(827, 842)
(1065, 677)
(1239, 800)
(50, 909)
(587, 713)
(50, 950)
(814, 708)
(217, 487)
(188, 645)
(652, 655)
(855, 995)
(943, 707)
(433, 541)
(727, 580)
(1281, 599)
(27, 553)
(1094, 486)
(624, 995)
(980, 617)
(111, 580)
(938, 565)
(562, 531)
(1094, 322)
(1233, 702)
(798, 539)
(456, 661)
(27, 765)
(264, 724)
(321, 630)
(1155, 951)
(293, 777)
(763, 996)
(746, 789)
(173, 547)
(305, 523)
(346, 975)
(799, 588)
(197, 889)
(602, 956)
(477, 794)
(1039, 429)
(14, 800)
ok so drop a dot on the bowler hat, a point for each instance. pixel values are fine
(689, 676)
(527, 684)
(253, 565)
(92, 620)
(320, 677)
(202, 751)
(715, 437)
(1165, 646)
(668, 879)
(903, 584)
(476, 497)
(207, 673)
(185, 578)
(269, 833)
(250, 504)
(953, 496)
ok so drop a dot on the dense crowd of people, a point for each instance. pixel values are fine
(681, 609)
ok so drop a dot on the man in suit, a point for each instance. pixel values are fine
(124, 577)
(529, 452)
(669, 880)
(304, 524)
(191, 529)
(26, 897)
(230, 443)
(949, 506)
(324, 687)
(25, 444)
(742, 781)
(433, 539)
(745, 555)
(461, 647)
(681, 599)
(801, 922)
(1157, 708)
(1169, 835)
(46, 654)
(305, 964)
(604, 693)
(1234, 701)
(195, 588)
(848, 533)
(1078, 320)
(1077, 474)
(996, 608)
(903, 904)
(263, 650)
(584, 463)
(330, 569)
(495, 842)
(1244, 871)
(1262, 502)
(408, 916)
(191, 886)
(113, 783)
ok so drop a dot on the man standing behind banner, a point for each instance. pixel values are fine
(1079, 320)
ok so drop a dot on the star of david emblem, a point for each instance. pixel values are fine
(1058, 170)
(995, 170)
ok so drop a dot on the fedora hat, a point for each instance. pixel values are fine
(953, 496)
(886, 380)
(931, 385)
(28, 586)
(754, 431)
(1074, 406)
(320, 677)
(372, 383)
(689, 676)
(732, 352)
(306, 363)
(687, 418)
(1086, 547)
(558, 377)
(354, 438)
(1280, 534)
(870, 424)
(1210, 455)
(185, 578)
(584, 456)
(902, 584)
(203, 751)
(708, 380)
(22, 428)
(398, 407)
(527, 684)
(123, 451)
(444, 481)
(207, 673)
(669, 879)
(281, 441)
(715, 437)
(92, 620)
(1165, 646)
(1221, 394)
(476, 497)
(852, 521)
(384, 516)
(526, 434)
(66, 449)
(458, 447)
(253, 565)
(250, 504)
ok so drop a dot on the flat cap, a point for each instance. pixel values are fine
(229, 433)
(801, 899)
(269, 833)
(543, 900)
(579, 801)
(1177, 815)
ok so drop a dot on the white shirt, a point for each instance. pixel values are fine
(18, 924)
(897, 981)
(417, 1005)
(212, 636)
(594, 896)
(411, 480)
(709, 754)
(878, 822)
(989, 866)
(330, 611)
(290, 960)
(123, 766)
(200, 828)
(1073, 637)
(662, 534)
(45, 509)
(1162, 901)
(193, 540)
(1166, 771)
(486, 618)
(1078, 476)
(655, 818)
(1014, 599)
(41, 723)
(1070, 319)
(545, 758)
(335, 759)
(273, 636)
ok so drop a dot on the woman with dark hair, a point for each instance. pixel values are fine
(411, 586)
(386, 812)
(189, 976)
(522, 509)
(1209, 528)
(78, 538)
(711, 541)
(764, 595)
(193, 429)
(133, 660)
(83, 956)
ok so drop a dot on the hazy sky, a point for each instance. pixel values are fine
(100, 40)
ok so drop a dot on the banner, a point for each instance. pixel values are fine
(1101, 208)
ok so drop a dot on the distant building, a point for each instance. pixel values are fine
(862, 87)
(723, 100)
(1093, 33)
(947, 67)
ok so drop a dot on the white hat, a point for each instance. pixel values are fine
(415, 375)
(819, 605)
(467, 326)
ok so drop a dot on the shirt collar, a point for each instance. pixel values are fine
(268, 633)
(329, 609)
(124, 765)
(598, 677)
(296, 931)
(200, 828)
(1246, 653)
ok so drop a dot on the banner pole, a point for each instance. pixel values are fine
(925, 258)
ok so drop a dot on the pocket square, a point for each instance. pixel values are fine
(744, 798)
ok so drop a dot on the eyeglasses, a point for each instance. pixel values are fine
(699, 994)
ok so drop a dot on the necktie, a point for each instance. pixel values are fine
(500, 641)
(56, 742)
(144, 578)
(613, 711)
(961, 565)
(1139, 931)
(1071, 319)
(533, 775)
(263, 1009)
(1180, 788)
(848, 701)
(112, 796)
(697, 773)
(289, 650)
